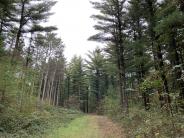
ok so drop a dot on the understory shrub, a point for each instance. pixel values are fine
(14, 124)
(144, 124)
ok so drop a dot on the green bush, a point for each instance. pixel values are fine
(110, 105)
(36, 124)
(144, 124)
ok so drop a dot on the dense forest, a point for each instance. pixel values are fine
(136, 78)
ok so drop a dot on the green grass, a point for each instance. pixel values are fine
(83, 127)
(35, 125)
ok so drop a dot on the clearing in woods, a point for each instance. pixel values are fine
(90, 126)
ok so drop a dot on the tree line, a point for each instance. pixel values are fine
(32, 60)
(144, 39)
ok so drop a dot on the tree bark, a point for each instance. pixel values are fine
(156, 50)
(175, 60)
(122, 61)
(17, 49)
(1, 27)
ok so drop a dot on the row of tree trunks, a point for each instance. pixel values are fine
(51, 83)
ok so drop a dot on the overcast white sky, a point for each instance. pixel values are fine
(72, 17)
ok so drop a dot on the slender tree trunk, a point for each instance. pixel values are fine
(52, 82)
(1, 27)
(156, 50)
(162, 75)
(28, 57)
(120, 57)
(60, 89)
(175, 60)
(17, 49)
(98, 96)
(140, 67)
(68, 88)
(40, 87)
(44, 86)
(146, 100)
(56, 94)
(122, 66)
(87, 102)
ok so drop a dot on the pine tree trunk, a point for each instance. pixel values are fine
(16, 52)
(98, 97)
(178, 70)
(1, 27)
(162, 74)
(87, 102)
(44, 86)
(175, 61)
(68, 88)
(52, 82)
(29, 52)
(156, 50)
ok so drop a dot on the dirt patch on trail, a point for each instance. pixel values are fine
(109, 129)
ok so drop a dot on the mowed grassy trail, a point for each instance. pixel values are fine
(83, 127)
(89, 126)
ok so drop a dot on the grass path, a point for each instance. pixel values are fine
(89, 126)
